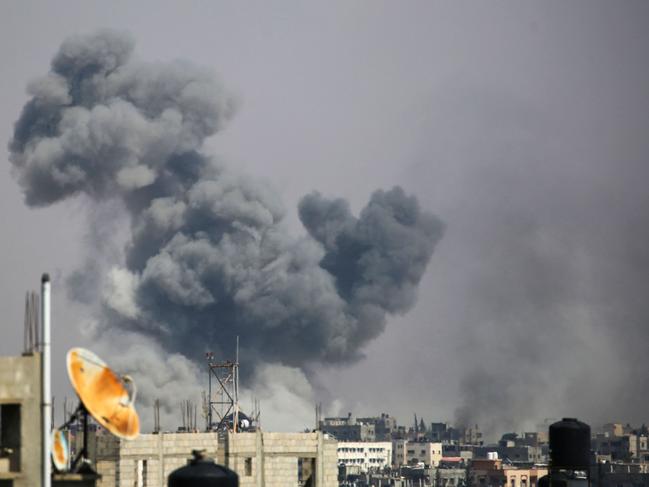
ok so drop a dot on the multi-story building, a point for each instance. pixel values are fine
(617, 448)
(368, 456)
(410, 452)
(442, 432)
(463, 451)
(348, 429)
(385, 426)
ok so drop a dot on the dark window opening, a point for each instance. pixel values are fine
(306, 472)
(10, 437)
(248, 467)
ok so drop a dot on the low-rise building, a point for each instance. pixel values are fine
(450, 476)
(492, 472)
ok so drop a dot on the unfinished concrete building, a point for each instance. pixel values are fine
(260, 459)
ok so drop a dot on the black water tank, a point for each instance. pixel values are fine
(570, 444)
(203, 472)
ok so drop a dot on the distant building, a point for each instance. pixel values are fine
(348, 429)
(450, 477)
(495, 473)
(385, 426)
(463, 451)
(613, 429)
(411, 452)
(368, 456)
(442, 432)
(619, 475)
(516, 454)
(617, 448)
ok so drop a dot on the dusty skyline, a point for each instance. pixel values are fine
(521, 125)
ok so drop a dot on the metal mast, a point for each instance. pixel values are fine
(223, 398)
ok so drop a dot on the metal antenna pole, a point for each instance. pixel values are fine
(236, 388)
(46, 383)
(209, 393)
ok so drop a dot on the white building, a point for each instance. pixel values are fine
(406, 452)
(367, 455)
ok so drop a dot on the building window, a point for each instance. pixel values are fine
(10, 436)
(306, 471)
(248, 467)
(141, 473)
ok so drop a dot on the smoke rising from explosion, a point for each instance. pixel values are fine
(208, 257)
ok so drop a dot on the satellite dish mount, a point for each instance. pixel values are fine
(105, 396)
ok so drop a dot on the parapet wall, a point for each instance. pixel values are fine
(260, 459)
(149, 459)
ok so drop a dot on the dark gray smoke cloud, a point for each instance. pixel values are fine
(208, 256)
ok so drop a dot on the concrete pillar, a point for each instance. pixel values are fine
(161, 459)
(319, 468)
(259, 459)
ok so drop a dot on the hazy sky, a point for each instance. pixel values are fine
(523, 125)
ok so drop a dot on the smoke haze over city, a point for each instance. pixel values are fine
(213, 172)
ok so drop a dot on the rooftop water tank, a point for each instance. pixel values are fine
(203, 472)
(569, 444)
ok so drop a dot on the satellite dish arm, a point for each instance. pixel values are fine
(132, 389)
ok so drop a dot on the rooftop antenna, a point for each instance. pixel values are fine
(226, 404)
(236, 388)
(31, 322)
(156, 416)
(46, 383)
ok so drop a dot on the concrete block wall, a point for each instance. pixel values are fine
(272, 457)
(330, 463)
(119, 461)
(280, 470)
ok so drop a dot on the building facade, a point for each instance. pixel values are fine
(368, 456)
(260, 459)
(408, 452)
(349, 428)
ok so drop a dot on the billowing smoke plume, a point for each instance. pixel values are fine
(208, 257)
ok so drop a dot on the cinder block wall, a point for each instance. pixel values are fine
(274, 458)
(260, 459)
(117, 460)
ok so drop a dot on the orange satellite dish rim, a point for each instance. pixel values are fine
(103, 393)
(60, 450)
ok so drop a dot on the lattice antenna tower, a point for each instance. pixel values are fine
(223, 393)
